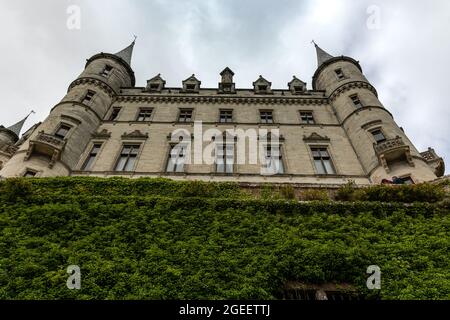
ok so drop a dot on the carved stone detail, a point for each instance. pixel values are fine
(136, 134)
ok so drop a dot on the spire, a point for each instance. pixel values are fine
(16, 128)
(322, 55)
(127, 53)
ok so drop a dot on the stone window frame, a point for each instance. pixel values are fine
(69, 132)
(406, 177)
(353, 101)
(180, 110)
(372, 136)
(88, 153)
(307, 111)
(37, 173)
(283, 158)
(141, 109)
(91, 93)
(330, 151)
(169, 149)
(223, 142)
(118, 114)
(260, 111)
(226, 110)
(107, 71)
(118, 156)
(338, 71)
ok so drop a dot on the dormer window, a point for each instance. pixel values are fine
(297, 86)
(191, 85)
(262, 86)
(226, 84)
(156, 84)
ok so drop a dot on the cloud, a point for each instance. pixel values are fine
(406, 59)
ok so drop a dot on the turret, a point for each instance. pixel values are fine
(8, 138)
(380, 144)
(55, 147)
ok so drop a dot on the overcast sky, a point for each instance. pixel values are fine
(403, 47)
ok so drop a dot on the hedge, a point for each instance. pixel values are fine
(161, 239)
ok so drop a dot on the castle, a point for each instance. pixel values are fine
(106, 126)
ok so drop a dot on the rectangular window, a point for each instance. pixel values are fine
(356, 101)
(378, 135)
(226, 116)
(127, 158)
(114, 114)
(185, 115)
(89, 96)
(62, 131)
(407, 180)
(307, 117)
(322, 161)
(177, 158)
(273, 160)
(145, 114)
(29, 174)
(339, 74)
(225, 158)
(91, 157)
(266, 116)
(154, 86)
(262, 88)
(298, 89)
(106, 71)
(190, 87)
(227, 87)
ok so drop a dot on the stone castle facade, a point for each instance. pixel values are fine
(106, 126)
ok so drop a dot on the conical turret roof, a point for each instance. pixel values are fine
(126, 53)
(322, 55)
(17, 127)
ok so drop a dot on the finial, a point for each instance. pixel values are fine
(135, 37)
(313, 42)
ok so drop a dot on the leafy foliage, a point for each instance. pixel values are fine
(161, 239)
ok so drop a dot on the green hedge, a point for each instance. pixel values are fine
(160, 239)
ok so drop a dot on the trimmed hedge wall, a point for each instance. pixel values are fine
(161, 239)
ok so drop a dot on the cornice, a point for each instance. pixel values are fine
(114, 57)
(352, 85)
(357, 111)
(78, 103)
(94, 82)
(220, 99)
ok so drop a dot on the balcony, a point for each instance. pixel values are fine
(47, 145)
(393, 150)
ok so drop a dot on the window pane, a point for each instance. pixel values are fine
(89, 162)
(171, 165)
(319, 167)
(328, 166)
(130, 164)
(324, 153)
(121, 163)
(280, 166)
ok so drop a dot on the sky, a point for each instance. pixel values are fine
(403, 47)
